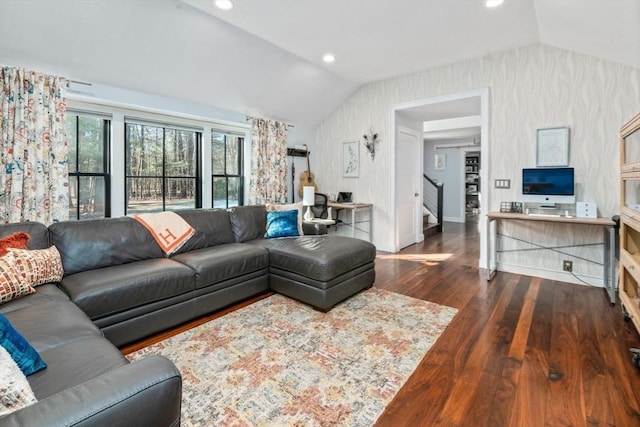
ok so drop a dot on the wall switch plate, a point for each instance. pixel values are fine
(502, 183)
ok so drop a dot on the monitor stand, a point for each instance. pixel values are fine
(551, 206)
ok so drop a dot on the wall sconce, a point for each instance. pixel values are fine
(370, 142)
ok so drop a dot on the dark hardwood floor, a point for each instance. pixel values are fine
(521, 351)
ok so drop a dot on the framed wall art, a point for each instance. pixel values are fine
(350, 159)
(552, 147)
(440, 162)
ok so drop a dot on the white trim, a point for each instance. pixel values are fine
(88, 103)
(560, 276)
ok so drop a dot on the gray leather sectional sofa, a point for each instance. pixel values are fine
(119, 285)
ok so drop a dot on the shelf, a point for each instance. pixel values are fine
(630, 220)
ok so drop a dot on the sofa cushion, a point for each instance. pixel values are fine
(38, 233)
(25, 356)
(74, 363)
(248, 222)
(321, 258)
(271, 207)
(43, 293)
(282, 224)
(15, 391)
(19, 240)
(220, 263)
(39, 266)
(12, 284)
(213, 227)
(110, 290)
(92, 244)
(53, 323)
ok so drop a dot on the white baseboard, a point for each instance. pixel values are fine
(551, 274)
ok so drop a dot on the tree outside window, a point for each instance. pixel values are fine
(88, 138)
(226, 167)
(162, 168)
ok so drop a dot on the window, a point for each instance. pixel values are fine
(226, 169)
(88, 138)
(162, 168)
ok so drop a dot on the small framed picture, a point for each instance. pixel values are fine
(552, 147)
(350, 159)
(440, 162)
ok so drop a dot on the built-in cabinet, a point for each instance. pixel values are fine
(630, 222)
(472, 182)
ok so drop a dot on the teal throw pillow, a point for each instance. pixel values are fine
(25, 356)
(282, 224)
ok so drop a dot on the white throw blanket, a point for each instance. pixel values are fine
(168, 229)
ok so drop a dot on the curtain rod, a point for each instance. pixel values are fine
(247, 118)
(80, 82)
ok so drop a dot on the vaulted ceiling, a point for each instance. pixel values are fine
(265, 56)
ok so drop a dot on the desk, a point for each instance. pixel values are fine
(354, 208)
(608, 240)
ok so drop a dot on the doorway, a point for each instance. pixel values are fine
(472, 105)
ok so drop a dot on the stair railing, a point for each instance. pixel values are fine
(432, 198)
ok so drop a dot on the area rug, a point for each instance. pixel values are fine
(278, 362)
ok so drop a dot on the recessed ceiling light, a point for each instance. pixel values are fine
(329, 58)
(493, 3)
(223, 4)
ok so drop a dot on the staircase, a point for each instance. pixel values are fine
(432, 203)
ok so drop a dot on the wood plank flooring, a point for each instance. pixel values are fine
(521, 351)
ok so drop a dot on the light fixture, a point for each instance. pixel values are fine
(328, 58)
(494, 3)
(223, 4)
(308, 200)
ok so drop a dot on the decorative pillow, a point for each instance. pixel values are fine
(25, 356)
(271, 207)
(12, 284)
(15, 391)
(282, 224)
(16, 240)
(39, 266)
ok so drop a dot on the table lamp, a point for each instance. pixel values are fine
(308, 200)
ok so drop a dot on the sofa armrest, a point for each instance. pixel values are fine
(144, 393)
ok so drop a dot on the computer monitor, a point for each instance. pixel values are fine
(344, 197)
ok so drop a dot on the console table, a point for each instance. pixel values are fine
(354, 208)
(608, 241)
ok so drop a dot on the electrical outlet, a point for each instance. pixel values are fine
(567, 265)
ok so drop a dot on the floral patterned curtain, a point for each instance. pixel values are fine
(268, 162)
(33, 147)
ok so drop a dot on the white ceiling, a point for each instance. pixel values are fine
(264, 56)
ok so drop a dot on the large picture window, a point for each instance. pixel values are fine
(162, 168)
(88, 138)
(226, 169)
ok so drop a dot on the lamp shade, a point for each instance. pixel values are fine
(308, 195)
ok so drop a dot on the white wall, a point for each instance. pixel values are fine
(451, 177)
(529, 88)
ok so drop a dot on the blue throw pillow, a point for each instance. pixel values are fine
(282, 224)
(25, 356)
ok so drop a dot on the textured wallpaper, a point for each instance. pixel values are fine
(529, 88)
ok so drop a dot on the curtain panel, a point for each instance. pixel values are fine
(33, 147)
(268, 162)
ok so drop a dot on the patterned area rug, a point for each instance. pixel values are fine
(278, 362)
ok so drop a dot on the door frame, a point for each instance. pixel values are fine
(484, 159)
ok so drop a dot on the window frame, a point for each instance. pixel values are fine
(197, 167)
(240, 167)
(106, 164)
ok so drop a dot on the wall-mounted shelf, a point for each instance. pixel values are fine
(297, 152)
